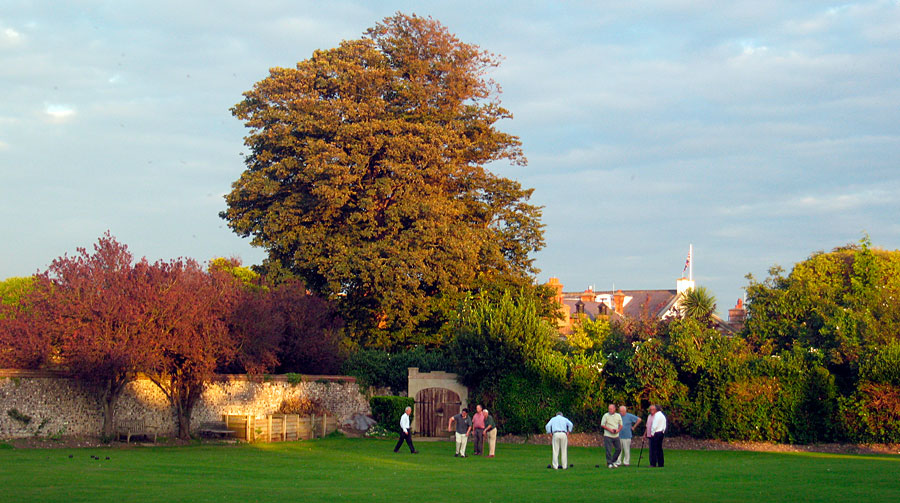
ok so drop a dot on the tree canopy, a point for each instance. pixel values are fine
(366, 177)
(839, 303)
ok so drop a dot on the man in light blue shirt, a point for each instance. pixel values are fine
(629, 423)
(559, 428)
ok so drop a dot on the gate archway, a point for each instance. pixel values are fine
(434, 408)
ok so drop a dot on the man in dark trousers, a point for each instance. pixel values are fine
(478, 429)
(405, 434)
(656, 430)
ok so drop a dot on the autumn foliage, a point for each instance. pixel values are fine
(366, 178)
(105, 317)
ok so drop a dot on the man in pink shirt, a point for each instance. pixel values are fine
(478, 427)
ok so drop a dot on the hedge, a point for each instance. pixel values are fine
(388, 409)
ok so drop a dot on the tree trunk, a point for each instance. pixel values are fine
(108, 401)
(189, 394)
(184, 421)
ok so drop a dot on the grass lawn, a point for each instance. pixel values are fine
(339, 469)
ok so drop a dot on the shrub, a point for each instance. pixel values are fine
(882, 364)
(388, 409)
(373, 367)
(751, 410)
(302, 405)
(524, 402)
(872, 414)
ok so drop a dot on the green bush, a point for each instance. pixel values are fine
(374, 367)
(872, 414)
(524, 402)
(388, 409)
(882, 364)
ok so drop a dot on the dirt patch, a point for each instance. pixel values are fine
(688, 443)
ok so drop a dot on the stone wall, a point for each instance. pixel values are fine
(59, 404)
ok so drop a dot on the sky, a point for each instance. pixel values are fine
(760, 131)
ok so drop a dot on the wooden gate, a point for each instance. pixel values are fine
(434, 408)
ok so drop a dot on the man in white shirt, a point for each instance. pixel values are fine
(656, 430)
(559, 428)
(405, 433)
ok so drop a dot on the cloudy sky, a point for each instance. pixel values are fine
(759, 130)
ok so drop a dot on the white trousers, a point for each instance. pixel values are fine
(560, 450)
(461, 440)
(625, 455)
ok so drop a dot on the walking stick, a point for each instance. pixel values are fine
(642, 451)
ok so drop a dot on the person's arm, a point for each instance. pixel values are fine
(604, 426)
(636, 423)
(450, 423)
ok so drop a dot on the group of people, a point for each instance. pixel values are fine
(481, 424)
(618, 428)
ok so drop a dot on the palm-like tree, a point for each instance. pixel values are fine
(698, 303)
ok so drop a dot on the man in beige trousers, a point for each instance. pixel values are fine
(490, 432)
(559, 428)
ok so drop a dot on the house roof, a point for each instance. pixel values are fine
(655, 303)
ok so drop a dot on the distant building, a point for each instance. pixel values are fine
(634, 304)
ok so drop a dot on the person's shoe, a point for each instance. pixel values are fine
(596, 466)
(462, 455)
(395, 452)
(551, 467)
(490, 455)
(414, 452)
(456, 455)
(560, 467)
(626, 464)
(609, 466)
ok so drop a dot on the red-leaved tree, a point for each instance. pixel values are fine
(288, 328)
(191, 337)
(86, 314)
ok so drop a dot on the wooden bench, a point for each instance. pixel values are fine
(215, 429)
(133, 428)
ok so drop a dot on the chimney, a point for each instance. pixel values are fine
(619, 302)
(588, 295)
(737, 315)
(579, 308)
(557, 287)
(683, 284)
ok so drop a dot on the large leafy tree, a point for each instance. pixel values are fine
(841, 303)
(366, 177)
(13, 289)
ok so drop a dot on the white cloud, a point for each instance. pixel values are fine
(10, 38)
(814, 203)
(59, 113)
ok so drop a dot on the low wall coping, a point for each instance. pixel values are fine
(23, 373)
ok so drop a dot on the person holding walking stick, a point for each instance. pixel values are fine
(646, 434)
(657, 433)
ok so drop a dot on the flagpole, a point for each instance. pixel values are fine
(691, 262)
